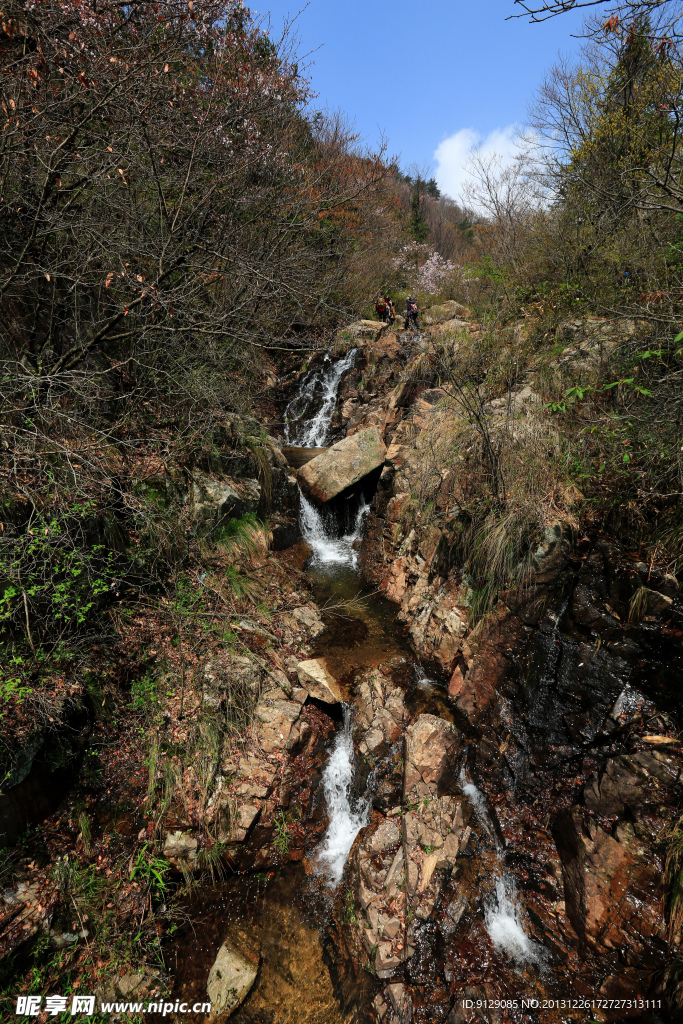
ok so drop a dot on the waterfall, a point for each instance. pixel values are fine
(346, 821)
(319, 390)
(501, 912)
(326, 548)
(319, 387)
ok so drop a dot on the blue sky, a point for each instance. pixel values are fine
(433, 76)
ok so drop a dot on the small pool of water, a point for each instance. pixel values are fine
(282, 913)
(362, 630)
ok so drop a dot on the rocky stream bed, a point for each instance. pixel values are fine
(484, 838)
(437, 820)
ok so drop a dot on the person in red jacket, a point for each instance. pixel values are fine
(381, 308)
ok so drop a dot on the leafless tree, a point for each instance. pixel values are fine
(668, 11)
(509, 196)
(168, 209)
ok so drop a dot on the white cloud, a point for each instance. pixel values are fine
(452, 155)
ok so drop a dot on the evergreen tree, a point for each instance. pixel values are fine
(419, 226)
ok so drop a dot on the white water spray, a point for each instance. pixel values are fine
(346, 821)
(321, 385)
(501, 913)
(320, 389)
(329, 550)
(424, 681)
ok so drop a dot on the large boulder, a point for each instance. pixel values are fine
(449, 310)
(362, 331)
(432, 745)
(230, 980)
(217, 499)
(344, 464)
(318, 682)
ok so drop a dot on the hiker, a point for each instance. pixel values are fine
(381, 308)
(411, 313)
(391, 310)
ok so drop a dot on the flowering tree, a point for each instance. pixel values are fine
(424, 269)
(434, 273)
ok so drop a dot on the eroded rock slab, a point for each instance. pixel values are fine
(230, 981)
(343, 465)
(318, 682)
(432, 746)
(402, 860)
(444, 312)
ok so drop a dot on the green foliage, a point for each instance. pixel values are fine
(281, 837)
(210, 859)
(151, 870)
(239, 584)
(350, 907)
(13, 688)
(54, 580)
(144, 692)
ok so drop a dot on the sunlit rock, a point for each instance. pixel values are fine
(317, 681)
(230, 980)
(343, 465)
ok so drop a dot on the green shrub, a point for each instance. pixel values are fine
(52, 581)
(143, 692)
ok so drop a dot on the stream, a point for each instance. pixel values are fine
(289, 912)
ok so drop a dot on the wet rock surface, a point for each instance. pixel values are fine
(546, 877)
(398, 864)
(521, 786)
(580, 772)
(231, 977)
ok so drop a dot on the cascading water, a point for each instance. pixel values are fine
(319, 391)
(320, 387)
(327, 549)
(501, 913)
(424, 681)
(346, 820)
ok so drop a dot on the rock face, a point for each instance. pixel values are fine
(362, 331)
(441, 314)
(216, 500)
(602, 875)
(380, 717)
(405, 857)
(343, 465)
(317, 681)
(431, 749)
(573, 768)
(180, 850)
(230, 980)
